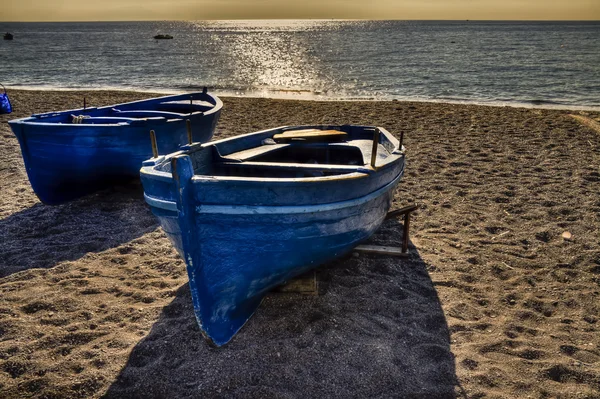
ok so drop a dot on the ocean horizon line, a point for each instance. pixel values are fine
(307, 19)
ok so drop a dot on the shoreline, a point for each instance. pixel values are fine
(493, 300)
(315, 97)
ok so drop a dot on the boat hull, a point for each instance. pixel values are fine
(245, 253)
(66, 161)
(244, 230)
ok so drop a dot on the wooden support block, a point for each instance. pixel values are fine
(377, 249)
(305, 284)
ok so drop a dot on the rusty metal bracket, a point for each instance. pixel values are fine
(393, 251)
(405, 211)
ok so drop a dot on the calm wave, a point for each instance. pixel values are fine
(535, 63)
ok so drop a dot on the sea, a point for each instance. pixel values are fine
(539, 64)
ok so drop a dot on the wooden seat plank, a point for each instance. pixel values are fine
(310, 134)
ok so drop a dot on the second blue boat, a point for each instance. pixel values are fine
(72, 153)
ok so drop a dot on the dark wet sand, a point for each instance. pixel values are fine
(492, 303)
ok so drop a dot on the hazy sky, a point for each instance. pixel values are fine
(129, 10)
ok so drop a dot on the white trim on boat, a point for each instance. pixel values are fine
(274, 209)
(160, 203)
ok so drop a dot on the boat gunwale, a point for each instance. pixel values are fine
(277, 209)
(150, 167)
(35, 118)
(134, 122)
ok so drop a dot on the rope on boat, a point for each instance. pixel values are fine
(78, 119)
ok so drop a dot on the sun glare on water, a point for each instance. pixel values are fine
(278, 56)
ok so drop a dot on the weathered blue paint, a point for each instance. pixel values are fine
(247, 214)
(66, 160)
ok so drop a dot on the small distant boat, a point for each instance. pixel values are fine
(163, 37)
(251, 212)
(72, 153)
(8, 36)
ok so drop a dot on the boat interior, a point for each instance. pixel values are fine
(127, 113)
(293, 154)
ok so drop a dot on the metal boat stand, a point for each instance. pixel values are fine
(393, 251)
(307, 284)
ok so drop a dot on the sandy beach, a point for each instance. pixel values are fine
(493, 302)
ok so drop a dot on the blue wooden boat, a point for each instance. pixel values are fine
(72, 153)
(251, 212)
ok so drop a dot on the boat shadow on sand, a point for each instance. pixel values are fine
(43, 236)
(376, 329)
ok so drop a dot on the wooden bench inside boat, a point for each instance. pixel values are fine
(311, 135)
(294, 160)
